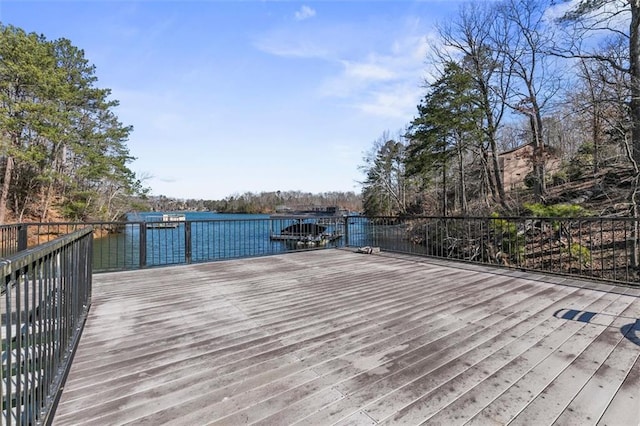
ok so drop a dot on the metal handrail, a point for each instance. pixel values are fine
(599, 248)
(603, 248)
(45, 297)
(46, 291)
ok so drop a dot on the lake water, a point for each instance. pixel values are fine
(213, 236)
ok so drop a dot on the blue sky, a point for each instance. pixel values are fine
(227, 97)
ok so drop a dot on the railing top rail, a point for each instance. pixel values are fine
(11, 225)
(351, 216)
(514, 218)
(23, 258)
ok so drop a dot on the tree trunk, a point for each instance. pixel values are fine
(444, 189)
(463, 183)
(497, 173)
(46, 200)
(634, 55)
(541, 153)
(596, 139)
(487, 176)
(6, 185)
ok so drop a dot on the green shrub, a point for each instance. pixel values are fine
(556, 210)
(579, 252)
(510, 241)
(559, 177)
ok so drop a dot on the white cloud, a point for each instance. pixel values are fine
(385, 83)
(375, 73)
(367, 71)
(299, 48)
(399, 102)
(305, 12)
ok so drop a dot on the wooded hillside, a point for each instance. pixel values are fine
(562, 79)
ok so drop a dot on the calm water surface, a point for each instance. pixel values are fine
(214, 236)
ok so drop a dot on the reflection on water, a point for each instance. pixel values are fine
(118, 250)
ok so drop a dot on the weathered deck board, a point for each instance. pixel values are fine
(335, 337)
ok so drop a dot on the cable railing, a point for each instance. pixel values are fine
(589, 247)
(45, 296)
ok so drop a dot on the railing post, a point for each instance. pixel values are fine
(187, 242)
(22, 237)
(346, 231)
(143, 244)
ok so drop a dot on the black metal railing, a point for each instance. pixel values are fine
(132, 245)
(46, 294)
(589, 247)
(141, 244)
(13, 238)
(600, 248)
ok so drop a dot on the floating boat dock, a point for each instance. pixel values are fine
(167, 220)
(315, 233)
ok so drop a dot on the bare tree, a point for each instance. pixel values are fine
(525, 40)
(471, 38)
(602, 98)
(385, 186)
(621, 18)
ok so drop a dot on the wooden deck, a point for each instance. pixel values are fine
(336, 337)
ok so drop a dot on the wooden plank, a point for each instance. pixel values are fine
(437, 349)
(550, 404)
(529, 385)
(596, 395)
(443, 362)
(624, 409)
(121, 402)
(462, 397)
(453, 380)
(332, 336)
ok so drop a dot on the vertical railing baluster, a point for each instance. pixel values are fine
(22, 237)
(142, 244)
(187, 242)
(346, 223)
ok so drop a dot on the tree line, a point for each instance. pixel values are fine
(262, 202)
(61, 144)
(563, 77)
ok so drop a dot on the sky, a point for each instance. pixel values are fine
(228, 97)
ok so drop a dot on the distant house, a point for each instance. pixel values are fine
(517, 163)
